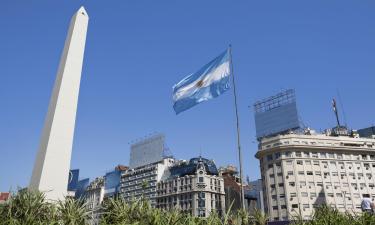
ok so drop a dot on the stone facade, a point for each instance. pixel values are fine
(302, 171)
(192, 188)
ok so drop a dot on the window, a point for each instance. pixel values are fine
(200, 179)
(316, 163)
(299, 162)
(289, 162)
(309, 173)
(298, 154)
(295, 206)
(304, 194)
(269, 157)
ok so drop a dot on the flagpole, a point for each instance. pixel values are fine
(238, 130)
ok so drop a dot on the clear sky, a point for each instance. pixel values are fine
(137, 50)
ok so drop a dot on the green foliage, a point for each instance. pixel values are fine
(71, 212)
(31, 208)
(28, 208)
(325, 215)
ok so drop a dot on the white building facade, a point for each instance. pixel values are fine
(94, 196)
(141, 181)
(302, 171)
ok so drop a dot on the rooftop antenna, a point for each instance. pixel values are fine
(342, 107)
(336, 112)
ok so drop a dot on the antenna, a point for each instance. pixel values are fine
(336, 112)
(342, 107)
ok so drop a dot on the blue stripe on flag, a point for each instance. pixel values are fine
(209, 82)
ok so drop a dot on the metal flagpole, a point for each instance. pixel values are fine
(238, 129)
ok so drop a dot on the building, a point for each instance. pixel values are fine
(367, 132)
(232, 187)
(301, 171)
(4, 196)
(254, 191)
(193, 187)
(113, 180)
(94, 196)
(141, 181)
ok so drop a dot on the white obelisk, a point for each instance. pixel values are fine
(52, 164)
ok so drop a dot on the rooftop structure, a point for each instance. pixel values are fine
(276, 114)
(148, 150)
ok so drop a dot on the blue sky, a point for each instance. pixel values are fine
(137, 50)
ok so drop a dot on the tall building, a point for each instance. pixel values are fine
(51, 168)
(193, 187)
(141, 181)
(301, 171)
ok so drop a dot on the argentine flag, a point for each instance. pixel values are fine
(209, 82)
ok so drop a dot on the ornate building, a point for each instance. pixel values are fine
(195, 187)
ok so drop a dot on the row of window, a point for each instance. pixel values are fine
(320, 155)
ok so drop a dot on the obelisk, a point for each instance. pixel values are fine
(51, 168)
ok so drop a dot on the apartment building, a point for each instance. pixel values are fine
(141, 181)
(302, 171)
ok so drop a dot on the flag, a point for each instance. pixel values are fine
(209, 82)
